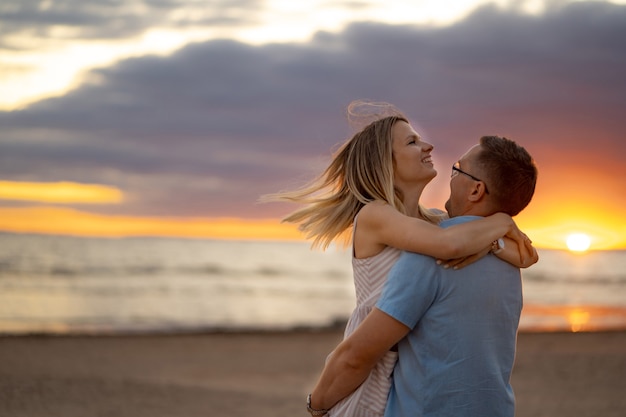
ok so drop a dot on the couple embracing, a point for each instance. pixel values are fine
(439, 294)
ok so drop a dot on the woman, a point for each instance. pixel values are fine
(374, 184)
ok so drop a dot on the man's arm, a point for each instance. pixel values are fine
(351, 362)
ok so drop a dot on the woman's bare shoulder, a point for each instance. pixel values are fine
(375, 208)
(367, 239)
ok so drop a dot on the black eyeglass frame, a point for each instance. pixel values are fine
(456, 167)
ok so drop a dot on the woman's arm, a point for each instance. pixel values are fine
(509, 253)
(384, 225)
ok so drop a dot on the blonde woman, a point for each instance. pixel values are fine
(372, 187)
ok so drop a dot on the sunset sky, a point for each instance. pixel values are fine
(171, 117)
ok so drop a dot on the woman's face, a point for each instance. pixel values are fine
(412, 160)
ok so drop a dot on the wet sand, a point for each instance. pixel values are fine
(267, 374)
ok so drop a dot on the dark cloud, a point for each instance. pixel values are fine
(205, 131)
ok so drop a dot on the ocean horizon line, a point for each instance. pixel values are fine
(268, 239)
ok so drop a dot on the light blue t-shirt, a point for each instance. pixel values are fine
(458, 357)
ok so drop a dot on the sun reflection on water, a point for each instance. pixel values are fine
(556, 318)
(578, 318)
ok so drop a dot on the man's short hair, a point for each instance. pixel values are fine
(511, 172)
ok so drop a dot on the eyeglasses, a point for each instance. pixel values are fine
(456, 168)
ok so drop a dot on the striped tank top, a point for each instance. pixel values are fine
(370, 274)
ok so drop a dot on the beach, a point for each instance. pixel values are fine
(267, 374)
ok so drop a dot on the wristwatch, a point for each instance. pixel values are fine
(314, 411)
(497, 246)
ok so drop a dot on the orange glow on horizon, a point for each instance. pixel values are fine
(558, 210)
(60, 192)
(66, 221)
(546, 232)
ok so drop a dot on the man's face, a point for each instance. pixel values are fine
(461, 184)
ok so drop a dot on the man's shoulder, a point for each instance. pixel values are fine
(410, 263)
(458, 220)
(412, 257)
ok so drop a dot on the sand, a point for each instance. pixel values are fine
(268, 374)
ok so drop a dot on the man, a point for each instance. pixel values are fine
(460, 325)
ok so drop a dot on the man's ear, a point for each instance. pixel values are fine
(477, 193)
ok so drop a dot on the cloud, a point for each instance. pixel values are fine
(47, 20)
(206, 130)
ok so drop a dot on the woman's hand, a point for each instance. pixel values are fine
(524, 244)
(511, 254)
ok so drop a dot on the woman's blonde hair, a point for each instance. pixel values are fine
(361, 171)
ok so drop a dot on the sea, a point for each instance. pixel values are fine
(77, 285)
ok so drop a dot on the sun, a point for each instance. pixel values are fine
(578, 242)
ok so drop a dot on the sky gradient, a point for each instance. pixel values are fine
(172, 117)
